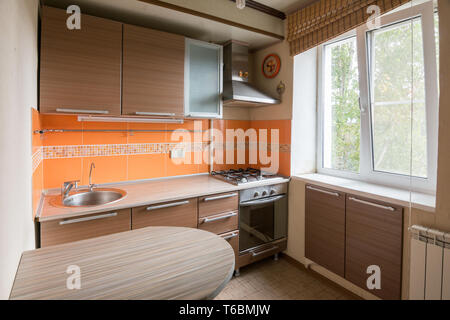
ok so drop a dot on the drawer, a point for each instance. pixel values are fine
(218, 203)
(233, 239)
(85, 227)
(261, 252)
(182, 213)
(219, 223)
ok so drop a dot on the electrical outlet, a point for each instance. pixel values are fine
(177, 154)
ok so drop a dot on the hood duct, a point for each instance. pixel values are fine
(237, 92)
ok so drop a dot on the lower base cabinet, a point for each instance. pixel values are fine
(181, 213)
(357, 238)
(85, 227)
(325, 228)
(374, 244)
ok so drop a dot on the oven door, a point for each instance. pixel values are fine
(262, 221)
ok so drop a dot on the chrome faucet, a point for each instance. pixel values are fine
(91, 185)
(67, 186)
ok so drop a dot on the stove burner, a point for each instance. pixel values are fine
(240, 176)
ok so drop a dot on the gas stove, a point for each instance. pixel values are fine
(242, 176)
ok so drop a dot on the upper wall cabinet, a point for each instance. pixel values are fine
(153, 73)
(80, 69)
(203, 80)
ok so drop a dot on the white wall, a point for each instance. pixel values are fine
(18, 94)
(304, 113)
(282, 111)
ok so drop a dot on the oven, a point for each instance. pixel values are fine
(263, 215)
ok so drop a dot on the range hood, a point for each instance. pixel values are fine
(237, 92)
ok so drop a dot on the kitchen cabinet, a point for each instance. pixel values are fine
(233, 239)
(218, 203)
(181, 213)
(352, 235)
(219, 223)
(153, 72)
(374, 238)
(80, 70)
(325, 228)
(84, 227)
(203, 79)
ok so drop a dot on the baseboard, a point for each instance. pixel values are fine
(319, 275)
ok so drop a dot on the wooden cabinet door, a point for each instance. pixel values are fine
(218, 203)
(374, 237)
(153, 72)
(84, 227)
(325, 228)
(220, 223)
(181, 213)
(80, 69)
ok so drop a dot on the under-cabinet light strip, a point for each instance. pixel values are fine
(121, 119)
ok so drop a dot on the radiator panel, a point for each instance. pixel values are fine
(446, 275)
(417, 270)
(433, 272)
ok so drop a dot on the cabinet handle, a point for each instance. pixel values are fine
(81, 111)
(255, 254)
(101, 216)
(372, 204)
(231, 214)
(220, 197)
(230, 236)
(323, 191)
(168, 205)
(160, 114)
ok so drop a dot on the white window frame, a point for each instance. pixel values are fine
(366, 172)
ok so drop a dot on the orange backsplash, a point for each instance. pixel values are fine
(126, 156)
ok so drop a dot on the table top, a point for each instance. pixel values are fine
(149, 263)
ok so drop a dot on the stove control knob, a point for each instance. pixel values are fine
(256, 194)
(264, 193)
(272, 192)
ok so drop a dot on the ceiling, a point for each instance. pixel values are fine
(287, 6)
(160, 18)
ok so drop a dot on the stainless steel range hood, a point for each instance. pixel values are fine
(237, 92)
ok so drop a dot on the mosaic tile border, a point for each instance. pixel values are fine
(104, 150)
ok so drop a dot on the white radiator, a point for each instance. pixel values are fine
(430, 264)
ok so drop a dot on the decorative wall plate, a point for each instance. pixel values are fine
(271, 65)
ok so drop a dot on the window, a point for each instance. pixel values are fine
(378, 102)
(341, 107)
(397, 101)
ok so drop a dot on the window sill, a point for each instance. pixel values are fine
(397, 196)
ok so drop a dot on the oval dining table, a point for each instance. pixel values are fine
(157, 263)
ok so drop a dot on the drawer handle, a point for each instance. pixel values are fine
(372, 204)
(101, 216)
(81, 111)
(255, 254)
(323, 191)
(231, 214)
(168, 205)
(160, 114)
(230, 236)
(220, 197)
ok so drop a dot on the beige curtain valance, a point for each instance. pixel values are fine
(326, 19)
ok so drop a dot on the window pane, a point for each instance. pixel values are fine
(341, 123)
(436, 37)
(397, 94)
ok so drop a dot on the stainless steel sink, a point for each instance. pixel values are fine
(86, 198)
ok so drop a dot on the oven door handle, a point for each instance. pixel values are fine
(262, 201)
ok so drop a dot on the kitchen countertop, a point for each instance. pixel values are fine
(147, 193)
(149, 263)
(397, 196)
